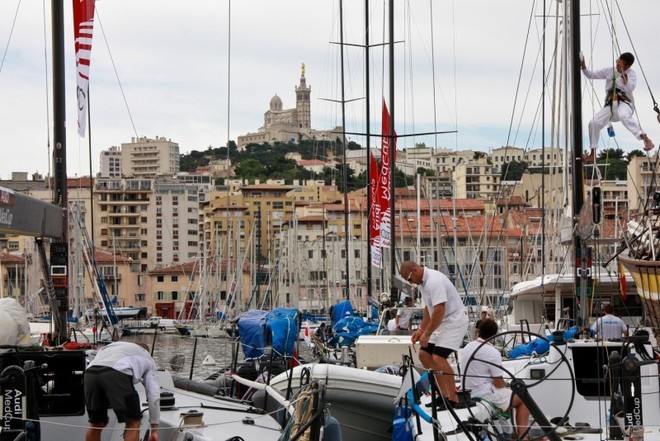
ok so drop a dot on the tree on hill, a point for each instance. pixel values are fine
(636, 153)
(250, 169)
(513, 171)
(611, 154)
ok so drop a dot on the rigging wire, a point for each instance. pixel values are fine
(114, 67)
(639, 63)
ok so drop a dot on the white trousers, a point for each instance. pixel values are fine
(618, 112)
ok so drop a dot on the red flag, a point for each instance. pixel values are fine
(384, 183)
(622, 281)
(374, 213)
(83, 25)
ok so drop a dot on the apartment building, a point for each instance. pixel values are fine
(110, 166)
(476, 179)
(147, 157)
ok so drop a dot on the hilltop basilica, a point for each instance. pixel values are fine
(289, 125)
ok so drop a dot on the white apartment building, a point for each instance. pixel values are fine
(146, 157)
(110, 163)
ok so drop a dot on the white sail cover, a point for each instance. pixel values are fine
(83, 25)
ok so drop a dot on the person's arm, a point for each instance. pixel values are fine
(498, 382)
(594, 327)
(627, 82)
(434, 321)
(426, 318)
(599, 74)
(152, 389)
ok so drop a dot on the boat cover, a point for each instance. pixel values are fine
(258, 328)
(538, 345)
(340, 310)
(348, 329)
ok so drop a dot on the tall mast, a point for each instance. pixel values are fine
(344, 167)
(59, 255)
(579, 244)
(368, 139)
(393, 290)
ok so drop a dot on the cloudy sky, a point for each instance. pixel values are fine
(160, 68)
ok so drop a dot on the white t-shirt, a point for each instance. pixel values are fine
(485, 365)
(609, 327)
(404, 317)
(436, 288)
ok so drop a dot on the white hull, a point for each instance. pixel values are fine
(361, 400)
(218, 424)
(553, 394)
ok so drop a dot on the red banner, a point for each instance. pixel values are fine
(384, 183)
(374, 213)
(83, 25)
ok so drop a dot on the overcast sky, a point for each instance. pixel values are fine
(171, 66)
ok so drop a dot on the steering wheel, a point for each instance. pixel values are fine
(506, 373)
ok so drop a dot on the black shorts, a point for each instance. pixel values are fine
(106, 387)
(437, 350)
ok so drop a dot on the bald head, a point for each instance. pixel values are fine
(407, 267)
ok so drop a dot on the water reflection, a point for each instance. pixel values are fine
(168, 346)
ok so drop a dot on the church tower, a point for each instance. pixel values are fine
(303, 105)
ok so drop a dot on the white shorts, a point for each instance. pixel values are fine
(450, 334)
(499, 396)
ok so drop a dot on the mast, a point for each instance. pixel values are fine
(59, 253)
(367, 85)
(344, 167)
(579, 244)
(393, 290)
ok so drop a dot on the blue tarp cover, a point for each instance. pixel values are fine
(348, 329)
(258, 328)
(338, 311)
(538, 345)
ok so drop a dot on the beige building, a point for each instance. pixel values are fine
(476, 179)
(550, 157)
(505, 155)
(641, 178)
(446, 160)
(146, 157)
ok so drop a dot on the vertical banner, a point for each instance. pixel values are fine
(83, 25)
(374, 213)
(384, 182)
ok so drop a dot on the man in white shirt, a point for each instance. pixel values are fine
(404, 315)
(483, 375)
(109, 381)
(609, 326)
(620, 81)
(443, 327)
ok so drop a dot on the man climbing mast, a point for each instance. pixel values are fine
(620, 81)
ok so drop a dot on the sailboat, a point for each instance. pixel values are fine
(582, 388)
(43, 390)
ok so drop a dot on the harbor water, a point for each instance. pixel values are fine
(174, 353)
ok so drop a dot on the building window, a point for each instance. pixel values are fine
(310, 254)
(175, 295)
(175, 278)
(160, 295)
(140, 297)
(160, 279)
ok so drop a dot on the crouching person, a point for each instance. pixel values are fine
(109, 381)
